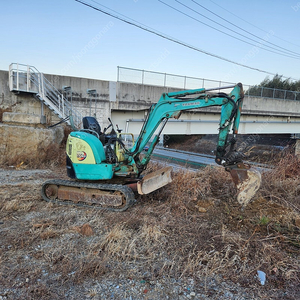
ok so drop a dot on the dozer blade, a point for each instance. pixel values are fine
(154, 180)
(247, 182)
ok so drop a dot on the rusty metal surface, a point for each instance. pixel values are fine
(51, 191)
(113, 197)
(90, 196)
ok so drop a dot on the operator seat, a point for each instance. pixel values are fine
(92, 124)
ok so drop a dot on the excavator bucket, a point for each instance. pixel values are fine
(247, 181)
(155, 180)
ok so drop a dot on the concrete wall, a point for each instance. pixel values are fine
(271, 107)
(7, 99)
(123, 101)
(23, 103)
(98, 106)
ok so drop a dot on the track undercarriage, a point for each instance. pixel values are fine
(117, 196)
(112, 197)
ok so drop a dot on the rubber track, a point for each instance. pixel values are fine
(125, 190)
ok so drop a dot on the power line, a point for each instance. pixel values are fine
(251, 23)
(241, 27)
(239, 39)
(143, 27)
(117, 13)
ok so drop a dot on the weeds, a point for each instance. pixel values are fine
(264, 220)
(164, 235)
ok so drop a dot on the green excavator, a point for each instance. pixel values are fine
(107, 168)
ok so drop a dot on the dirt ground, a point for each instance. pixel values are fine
(189, 240)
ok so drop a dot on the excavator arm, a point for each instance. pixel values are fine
(171, 105)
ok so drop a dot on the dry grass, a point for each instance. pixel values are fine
(193, 228)
(282, 183)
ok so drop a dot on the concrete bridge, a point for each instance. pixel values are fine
(127, 104)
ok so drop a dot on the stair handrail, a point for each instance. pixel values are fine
(46, 90)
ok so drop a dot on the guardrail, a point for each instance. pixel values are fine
(144, 77)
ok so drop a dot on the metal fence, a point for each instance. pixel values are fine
(137, 76)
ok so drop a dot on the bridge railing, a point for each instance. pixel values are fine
(144, 77)
(265, 92)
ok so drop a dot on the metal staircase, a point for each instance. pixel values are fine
(27, 79)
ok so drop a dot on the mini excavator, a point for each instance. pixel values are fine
(106, 170)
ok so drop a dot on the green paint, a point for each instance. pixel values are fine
(93, 172)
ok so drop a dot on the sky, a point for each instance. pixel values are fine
(65, 37)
